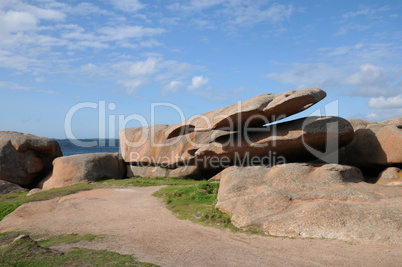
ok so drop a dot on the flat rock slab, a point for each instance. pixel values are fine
(254, 112)
(303, 200)
(138, 224)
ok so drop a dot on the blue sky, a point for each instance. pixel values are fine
(199, 55)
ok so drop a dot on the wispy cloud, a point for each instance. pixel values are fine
(16, 86)
(233, 13)
(172, 87)
(132, 75)
(366, 11)
(197, 83)
(128, 5)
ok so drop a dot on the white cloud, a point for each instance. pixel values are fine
(305, 75)
(253, 14)
(197, 83)
(172, 87)
(351, 26)
(16, 86)
(365, 11)
(384, 114)
(86, 9)
(143, 68)
(17, 62)
(165, 73)
(368, 74)
(15, 21)
(127, 5)
(126, 32)
(234, 13)
(132, 85)
(394, 102)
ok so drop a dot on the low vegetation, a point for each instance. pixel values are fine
(196, 202)
(28, 252)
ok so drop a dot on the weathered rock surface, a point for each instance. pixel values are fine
(219, 149)
(7, 187)
(311, 201)
(254, 112)
(376, 143)
(149, 146)
(156, 171)
(390, 176)
(294, 140)
(25, 159)
(85, 167)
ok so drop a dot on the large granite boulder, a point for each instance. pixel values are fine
(301, 139)
(254, 112)
(25, 159)
(85, 167)
(302, 200)
(376, 144)
(7, 187)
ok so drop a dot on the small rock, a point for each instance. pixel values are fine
(34, 191)
(390, 176)
(7, 187)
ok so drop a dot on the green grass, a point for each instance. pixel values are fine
(49, 241)
(196, 203)
(27, 252)
(154, 181)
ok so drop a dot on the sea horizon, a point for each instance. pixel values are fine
(69, 147)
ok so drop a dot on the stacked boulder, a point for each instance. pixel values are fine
(234, 135)
(26, 159)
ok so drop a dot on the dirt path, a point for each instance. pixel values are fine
(137, 223)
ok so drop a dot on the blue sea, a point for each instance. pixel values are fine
(93, 145)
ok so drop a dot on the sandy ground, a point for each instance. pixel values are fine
(139, 224)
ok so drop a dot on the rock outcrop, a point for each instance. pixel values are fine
(375, 143)
(85, 167)
(25, 159)
(236, 135)
(255, 112)
(216, 149)
(302, 200)
(7, 187)
(293, 141)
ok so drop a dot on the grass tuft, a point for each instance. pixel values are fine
(27, 252)
(196, 203)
